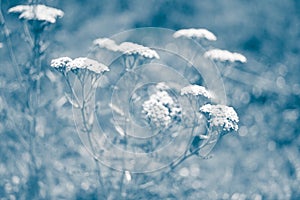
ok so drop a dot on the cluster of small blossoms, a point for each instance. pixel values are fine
(161, 110)
(37, 12)
(106, 43)
(196, 90)
(60, 63)
(221, 116)
(130, 48)
(195, 34)
(162, 86)
(127, 48)
(224, 55)
(214, 54)
(66, 64)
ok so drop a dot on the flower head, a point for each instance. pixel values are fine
(221, 116)
(37, 12)
(161, 110)
(195, 33)
(86, 63)
(129, 48)
(196, 90)
(162, 86)
(224, 55)
(106, 43)
(60, 63)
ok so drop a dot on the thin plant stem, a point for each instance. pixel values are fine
(10, 48)
(88, 129)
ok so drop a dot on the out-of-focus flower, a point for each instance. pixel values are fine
(224, 55)
(161, 110)
(106, 43)
(130, 48)
(1, 45)
(127, 48)
(196, 90)
(86, 63)
(38, 12)
(162, 86)
(60, 63)
(221, 116)
(195, 33)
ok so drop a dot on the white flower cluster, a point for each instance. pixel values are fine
(60, 63)
(195, 33)
(224, 55)
(130, 48)
(37, 12)
(67, 64)
(162, 86)
(161, 110)
(127, 48)
(196, 90)
(106, 43)
(221, 116)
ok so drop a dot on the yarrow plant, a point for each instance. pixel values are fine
(224, 55)
(195, 34)
(196, 90)
(221, 116)
(161, 110)
(88, 72)
(133, 54)
(38, 12)
(221, 119)
(30, 74)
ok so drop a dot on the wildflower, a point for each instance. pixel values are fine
(60, 63)
(162, 86)
(224, 55)
(86, 63)
(161, 110)
(129, 48)
(221, 116)
(37, 12)
(195, 33)
(196, 90)
(106, 43)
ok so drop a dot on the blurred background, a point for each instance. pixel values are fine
(260, 161)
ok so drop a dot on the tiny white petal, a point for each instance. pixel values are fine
(120, 130)
(128, 176)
